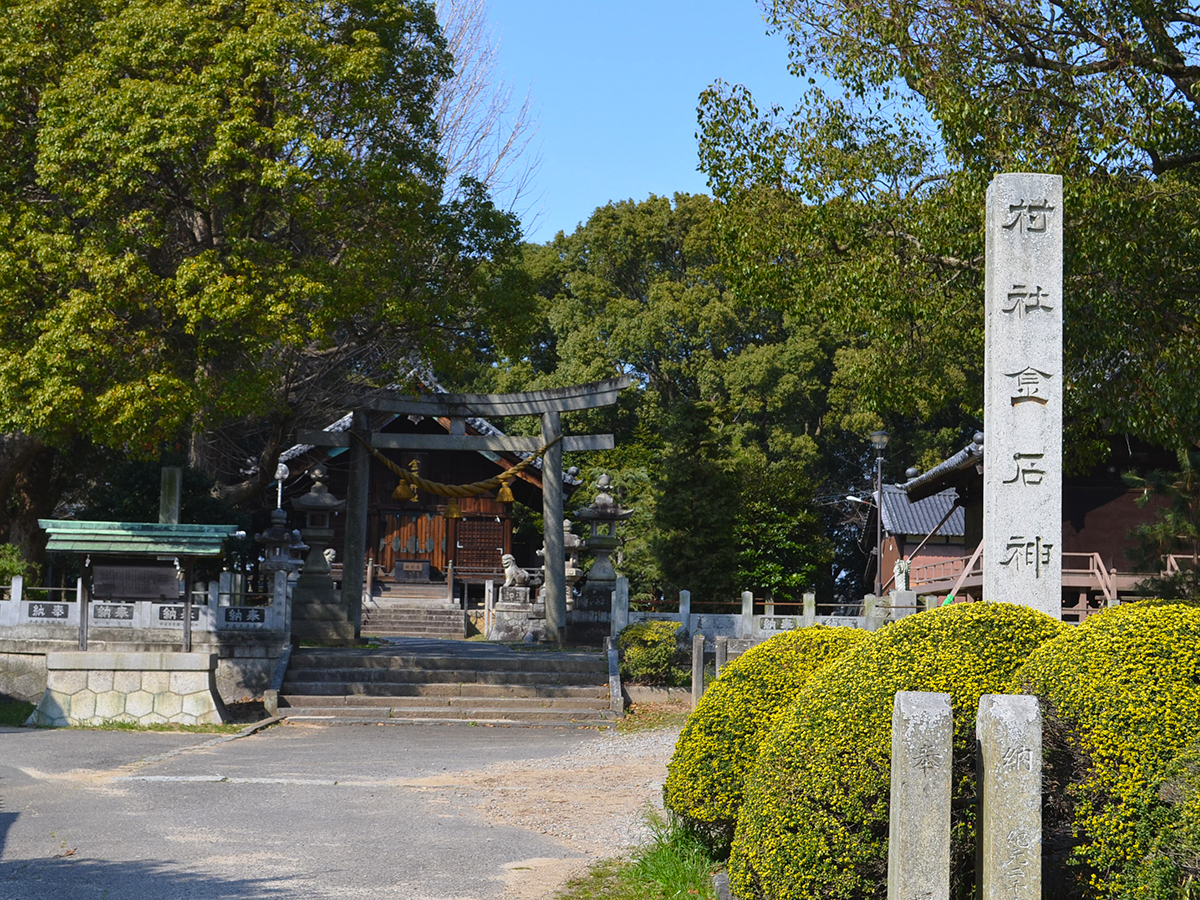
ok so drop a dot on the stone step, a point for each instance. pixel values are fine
(447, 715)
(400, 629)
(304, 701)
(322, 682)
(467, 673)
(432, 681)
(531, 662)
(399, 591)
(486, 691)
(415, 622)
(396, 605)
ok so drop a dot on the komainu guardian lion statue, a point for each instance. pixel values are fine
(514, 575)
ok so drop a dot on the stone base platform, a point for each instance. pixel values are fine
(93, 688)
(514, 622)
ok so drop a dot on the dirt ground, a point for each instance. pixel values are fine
(593, 801)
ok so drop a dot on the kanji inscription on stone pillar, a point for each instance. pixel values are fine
(1023, 392)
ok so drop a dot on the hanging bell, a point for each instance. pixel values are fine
(452, 510)
(404, 491)
(505, 494)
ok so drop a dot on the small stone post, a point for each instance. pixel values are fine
(919, 830)
(620, 605)
(685, 610)
(871, 612)
(722, 644)
(616, 697)
(81, 596)
(489, 604)
(904, 603)
(747, 614)
(697, 667)
(810, 609)
(1008, 733)
(279, 600)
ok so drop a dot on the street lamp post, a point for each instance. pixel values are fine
(879, 440)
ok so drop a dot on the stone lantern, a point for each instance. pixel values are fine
(592, 608)
(282, 548)
(572, 546)
(317, 611)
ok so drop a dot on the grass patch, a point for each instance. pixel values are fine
(14, 712)
(675, 863)
(650, 716)
(118, 725)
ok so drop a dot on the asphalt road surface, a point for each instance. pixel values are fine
(289, 812)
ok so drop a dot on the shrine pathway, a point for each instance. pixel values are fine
(318, 811)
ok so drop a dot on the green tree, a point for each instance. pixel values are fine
(870, 195)
(1175, 532)
(720, 434)
(214, 214)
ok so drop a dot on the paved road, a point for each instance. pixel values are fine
(290, 812)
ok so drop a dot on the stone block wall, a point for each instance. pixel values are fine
(23, 676)
(92, 688)
(243, 669)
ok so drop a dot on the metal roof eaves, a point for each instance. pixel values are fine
(927, 483)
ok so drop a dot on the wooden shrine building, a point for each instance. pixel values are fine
(442, 447)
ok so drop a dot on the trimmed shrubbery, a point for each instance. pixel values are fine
(650, 654)
(814, 822)
(718, 744)
(1121, 701)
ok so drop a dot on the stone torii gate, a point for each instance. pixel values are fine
(549, 404)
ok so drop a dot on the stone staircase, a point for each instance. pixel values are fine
(414, 621)
(437, 681)
(413, 610)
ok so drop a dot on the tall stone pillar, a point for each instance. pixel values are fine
(1023, 393)
(552, 517)
(354, 549)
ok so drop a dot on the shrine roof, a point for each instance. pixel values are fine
(135, 538)
(964, 466)
(902, 516)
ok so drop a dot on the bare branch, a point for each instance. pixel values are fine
(483, 133)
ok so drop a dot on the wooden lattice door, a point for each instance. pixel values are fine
(481, 543)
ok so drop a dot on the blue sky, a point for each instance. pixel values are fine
(614, 87)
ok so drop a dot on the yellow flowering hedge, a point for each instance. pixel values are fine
(650, 653)
(719, 741)
(1125, 689)
(814, 822)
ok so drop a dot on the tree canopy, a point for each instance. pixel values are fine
(717, 445)
(217, 213)
(870, 194)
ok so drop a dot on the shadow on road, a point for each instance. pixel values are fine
(67, 878)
